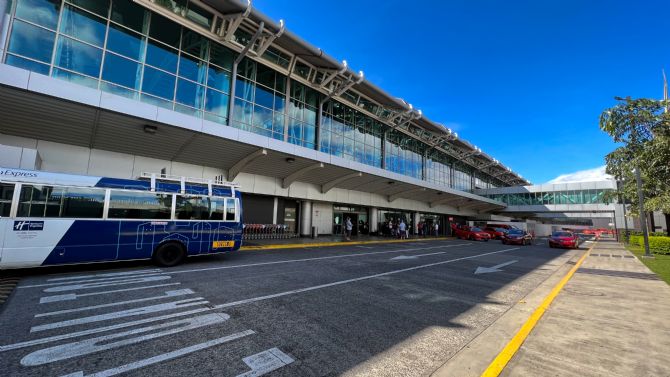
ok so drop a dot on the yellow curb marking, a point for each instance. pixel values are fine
(499, 363)
(337, 243)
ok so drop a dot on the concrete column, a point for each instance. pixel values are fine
(305, 218)
(374, 220)
(417, 218)
(274, 210)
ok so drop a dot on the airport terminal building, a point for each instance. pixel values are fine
(215, 89)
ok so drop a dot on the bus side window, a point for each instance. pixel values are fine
(230, 210)
(69, 202)
(6, 194)
(217, 208)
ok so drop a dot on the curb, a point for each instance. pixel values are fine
(336, 243)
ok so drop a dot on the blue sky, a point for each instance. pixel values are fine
(525, 80)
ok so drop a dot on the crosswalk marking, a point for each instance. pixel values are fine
(102, 343)
(74, 296)
(110, 274)
(74, 287)
(179, 292)
(121, 314)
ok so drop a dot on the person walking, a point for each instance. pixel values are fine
(437, 229)
(420, 228)
(402, 230)
(348, 227)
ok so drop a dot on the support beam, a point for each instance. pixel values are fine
(443, 200)
(235, 170)
(400, 194)
(330, 185)
(294, 176)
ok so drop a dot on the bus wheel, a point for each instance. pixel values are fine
(169, 254)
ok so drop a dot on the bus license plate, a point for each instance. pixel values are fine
(220, 244)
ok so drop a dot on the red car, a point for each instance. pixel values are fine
(495, 233)
(517, 237)
(564, 239)
(472, 233)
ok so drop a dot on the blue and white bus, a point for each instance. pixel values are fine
(54, 219)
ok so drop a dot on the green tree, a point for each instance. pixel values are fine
(642, 127)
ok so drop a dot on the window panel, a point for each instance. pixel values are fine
(99, 7)
(189, 93)
(192, 69)
(139, 205)
(75, 78)
(125, 42)
(218, 78)
(31, 41)
(192, 208)
(162, 57)
(71, 202)
(216, 102)
(27, 64)
(264, 97)
(230, 209)
(199, 16)
(77, 56)
(195, 44)
(121, 71)
(165, 30)
(117, 90)
(6, 195)
(221, 56)
(158, 83)
(131, 15)
(41, 12)
(83, 26)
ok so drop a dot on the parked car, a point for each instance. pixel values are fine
(564, 239)
(472, 233)
(495, 233)
(517, 237)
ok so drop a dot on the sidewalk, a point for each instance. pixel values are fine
(611, 319)
(265, 244)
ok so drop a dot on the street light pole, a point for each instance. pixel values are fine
(622, 198)
(643, 218)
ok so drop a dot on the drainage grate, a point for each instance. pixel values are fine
(620, 274)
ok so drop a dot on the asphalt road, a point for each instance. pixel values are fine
(378, 310)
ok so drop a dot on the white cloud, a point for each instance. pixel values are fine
(589, 175)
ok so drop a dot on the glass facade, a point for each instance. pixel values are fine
(404, 154)
(350, 134)
(120, 47)
(260, 99)
(592, 196)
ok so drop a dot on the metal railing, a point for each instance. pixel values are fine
(267, 231)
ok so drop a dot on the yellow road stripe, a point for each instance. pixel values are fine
(499, 363)
(340, 243)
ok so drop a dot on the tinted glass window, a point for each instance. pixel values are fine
(6, 193)
(121, 71)
(158, 83)
(31, 41)
(230, 210)
(192, 208)
(161, 56)
(125, 42)
(475, 229)
(216, 102)
(139, 205)
(164, 30)
(27, 64)
(78, 57)
(72, 202)
(516, 231)
(99, 7)
(41, 12)
(130, 14)
(83, 26)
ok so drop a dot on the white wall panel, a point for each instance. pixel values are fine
(111, 164)
(63, 158)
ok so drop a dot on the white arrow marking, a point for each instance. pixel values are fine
(496, 268)
(401, 257)
(265, 362)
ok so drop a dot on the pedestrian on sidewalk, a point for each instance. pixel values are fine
(437, 229)
(348, 227)
(402, 230)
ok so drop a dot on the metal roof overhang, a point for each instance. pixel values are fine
(33, 114)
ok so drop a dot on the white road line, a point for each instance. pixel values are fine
(401, 257)
(100, 280)
(75, 287)
(103, 343)
(313, 259)
(98, 330)
(164, 357)
(295, 291)
(175, 293)
(265, 362)
(112, 274)
(74, 296)
(121, 314)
